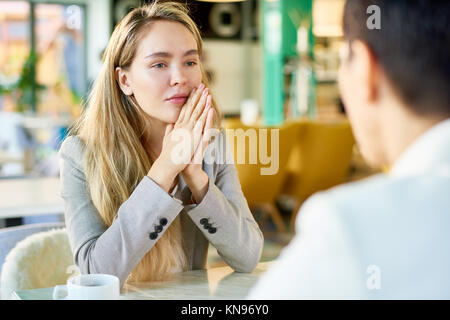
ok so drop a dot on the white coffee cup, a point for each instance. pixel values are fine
(89, 287)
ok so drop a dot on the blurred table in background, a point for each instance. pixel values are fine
(5, 157)
(24, 197)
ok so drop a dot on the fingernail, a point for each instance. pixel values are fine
(201, 86)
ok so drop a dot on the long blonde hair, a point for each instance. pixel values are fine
(112, 129)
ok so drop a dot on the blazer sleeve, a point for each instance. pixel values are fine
(118, 249)
(226, 221)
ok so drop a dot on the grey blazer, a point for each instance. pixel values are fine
(118, 249)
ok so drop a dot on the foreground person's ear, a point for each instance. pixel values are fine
(366, 69)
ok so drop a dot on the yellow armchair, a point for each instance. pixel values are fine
(320, 159)
(262, 181)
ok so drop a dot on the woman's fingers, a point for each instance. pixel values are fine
(200, 124)
(205, 137)
(190, 106)
(169, 128)
(209, 122)
(198, 130)
(193, 117)
(183, 109)
(200, 107)
(203, 110)
(208, 126)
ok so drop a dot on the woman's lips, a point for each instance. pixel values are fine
(177, 100)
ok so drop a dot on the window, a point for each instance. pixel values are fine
(58, 40)
(14, 47)
(61, 66)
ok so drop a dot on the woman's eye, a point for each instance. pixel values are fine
(191, 63)
(158, 65)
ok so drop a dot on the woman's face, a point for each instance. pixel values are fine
(166, 65)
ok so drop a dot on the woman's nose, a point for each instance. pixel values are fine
(178, 76)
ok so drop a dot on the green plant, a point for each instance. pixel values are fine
(25, 89)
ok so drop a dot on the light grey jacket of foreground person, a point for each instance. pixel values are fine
(116, 250)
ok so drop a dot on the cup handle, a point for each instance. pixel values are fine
(57, 291)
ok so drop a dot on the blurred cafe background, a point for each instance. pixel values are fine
(271, 64)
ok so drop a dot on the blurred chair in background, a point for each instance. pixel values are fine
(37, 256)
(262, 190)
(320, 159)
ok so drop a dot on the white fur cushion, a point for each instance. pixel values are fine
(38, 261)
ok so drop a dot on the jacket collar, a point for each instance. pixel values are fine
(431, 151)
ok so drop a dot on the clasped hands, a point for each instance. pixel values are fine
(184, 145)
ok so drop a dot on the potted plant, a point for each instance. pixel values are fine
(25, 89)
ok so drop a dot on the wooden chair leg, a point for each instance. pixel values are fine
(275, 215)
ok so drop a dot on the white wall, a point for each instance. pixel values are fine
(99, 31)
(235, 78)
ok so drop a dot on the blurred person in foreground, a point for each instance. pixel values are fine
(387, 237)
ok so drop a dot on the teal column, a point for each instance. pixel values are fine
(273, 85)
(281, 19)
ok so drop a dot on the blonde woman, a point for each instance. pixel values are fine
(132, 210)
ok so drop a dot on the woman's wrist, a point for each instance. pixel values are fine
(198, 184)
(162, 175)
